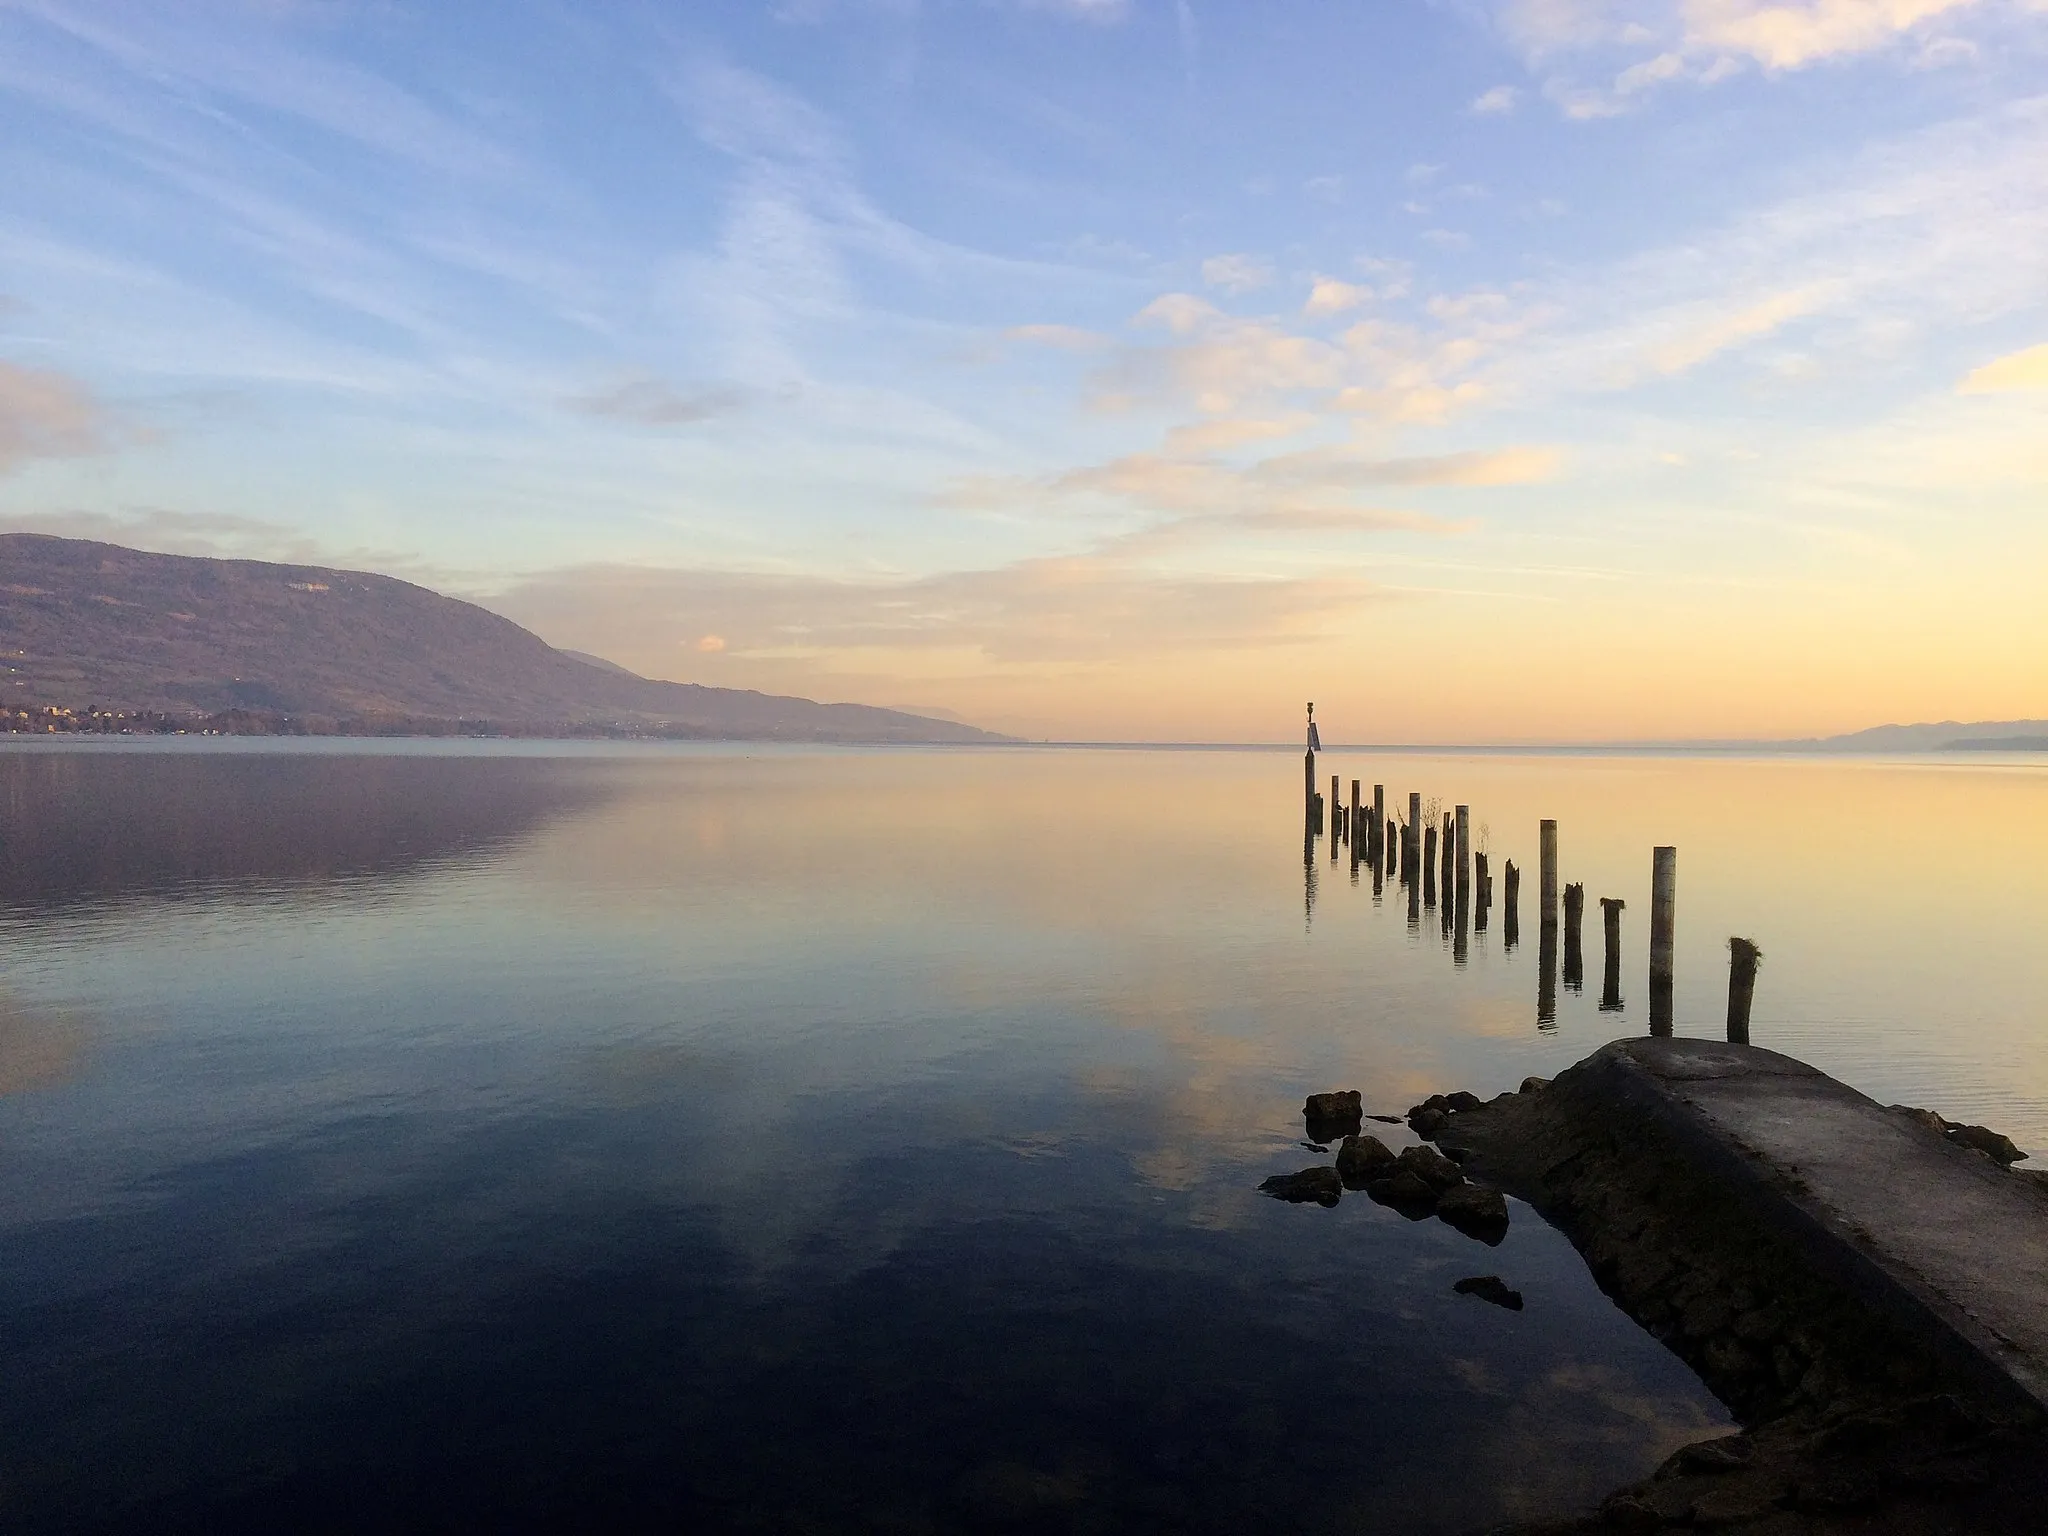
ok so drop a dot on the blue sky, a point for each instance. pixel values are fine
(1490, 368)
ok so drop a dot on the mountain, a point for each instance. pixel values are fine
(1947, 735)
(84, 623)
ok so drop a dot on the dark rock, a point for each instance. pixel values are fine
(1534, 1084)
(1405, 1192)
(1980, 1139)
(1926, 1117)
(1430, 1166)
(1461, 1101)
(1332, 1116)
(1334, 1106)
(1310, 1146)
(1751, 1499)
(1427, 1123)
(1824, 1491)
(1318, 1184)
(1731, 1453)
(1475, 1211)
(1434, 1101)
(1455, 1154)
(1385, 1119)
(1490, 1288)
(1627, 1512)
(1362, 1159)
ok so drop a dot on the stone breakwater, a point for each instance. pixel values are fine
(1864, 1287)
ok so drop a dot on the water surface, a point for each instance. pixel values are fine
(860, 1141)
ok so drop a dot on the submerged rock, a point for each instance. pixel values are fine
(1404, 1192)
(1430, 1166)
(1490, 1288)
(1476, 1211)
(1320, 1185)
(1385, 1119)
(1362, 1159)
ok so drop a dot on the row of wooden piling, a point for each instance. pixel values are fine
(1443, 856)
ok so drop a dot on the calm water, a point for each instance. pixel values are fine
(868, 1141)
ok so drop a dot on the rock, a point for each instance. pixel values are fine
(1534, 1084)
(1751, 1500)
(1461, 1101)
(1434, 1101)
(1310, 1146)
(1427, 1123)
(1980, 1139)
(1455, 1154)
(1430, 1166)
(1362, 1159)
(1626, 1511)
(2038, 1175)
(1490, 1288)
(1332, 1116)
(1926, 1117)
(1318, 1184)
(1404, 1192)
(1385, 1119)
(1731, 1453)
(1475, 1210)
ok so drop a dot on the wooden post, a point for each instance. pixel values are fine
(1743, 958)
(1482, 889)
(1308, 779)
(1336, 808)
(1464, 851)
(1511, 910)
(1663, 927)
(1447, 845)
(1356, 851)
(1610, 960)
(1429, 865)
(1574, 949)
(1379, 820)
(1546, 874)
(1413, 852)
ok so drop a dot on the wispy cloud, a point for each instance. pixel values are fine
(44, 415)
(651, 402)
(1237, 273)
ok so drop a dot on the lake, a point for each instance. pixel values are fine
(743, 1138)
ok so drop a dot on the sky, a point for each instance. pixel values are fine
(1484, 370)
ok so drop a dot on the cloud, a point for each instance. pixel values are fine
(1652, 42)
(44, 415)
(1181, 313)
(1344, 469)
(1331, 296)
(1237, 273)
(711, 644)
(1061, 338)
(1051, 610)
(1497, 102)
(651, 402)
(1698, 342)
(2025, 370)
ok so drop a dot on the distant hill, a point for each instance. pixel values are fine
(83, 623)
(1947, 735)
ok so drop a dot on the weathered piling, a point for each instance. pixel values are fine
(1610, 963)
(1351, 821)
(1743, 958)
(1447, 842)
(1429, 865)
(1546, 874)
(1663, 925)
(1574, 950)
(1413, 852)
(1482, 890)
(1310, 809)
(1379, 820)
(1511, 907)
(1464, 850)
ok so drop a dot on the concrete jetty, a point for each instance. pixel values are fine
(1868, 1296)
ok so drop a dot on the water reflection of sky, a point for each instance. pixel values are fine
(675, 1110)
